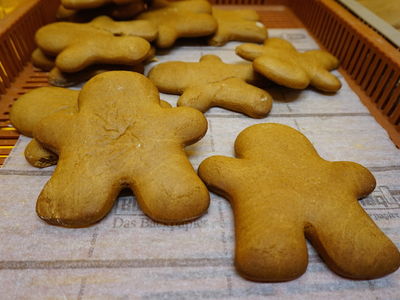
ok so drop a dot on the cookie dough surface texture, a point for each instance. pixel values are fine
(237, 25)
(211, 82)
(119, 136)
(36, 105)
(78, 46)
(39, 103)
(280, 62)
(175, 19)
(282, 191)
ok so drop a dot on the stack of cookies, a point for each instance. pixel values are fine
(116, 133)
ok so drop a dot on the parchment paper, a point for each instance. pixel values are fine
(127, 256)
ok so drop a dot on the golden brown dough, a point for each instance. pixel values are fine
(38, 156)
(42, 61)
(281, 190)
(237, 25)
(37, 104)
(175, 19)
(211, 82)
(280, 62)
(119, 137)
(78, 46)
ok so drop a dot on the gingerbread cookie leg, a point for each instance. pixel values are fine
(349, 233)
(92, 197)
(330, 228)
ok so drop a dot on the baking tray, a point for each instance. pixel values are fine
(369, 61)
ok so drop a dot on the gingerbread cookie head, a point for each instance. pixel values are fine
(280, 62)
(177, 19)
(237, 25)
(211, 82)
(291, 193)
(119, 137)
(78, 46)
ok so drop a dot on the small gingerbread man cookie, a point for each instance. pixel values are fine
(211, 82)
(237, 25)
(282, 191)
(78, 46)
(280, 62)
(119, 137)
(175, 19)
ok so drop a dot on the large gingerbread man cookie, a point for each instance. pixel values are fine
(175, 19)
(211, 82)
(282, 191)
(120, 137)
(280, 62)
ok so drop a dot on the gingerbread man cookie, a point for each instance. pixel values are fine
(280, 62)
(237, 25)
(78, 46)
(120, 137)
(282, 191)
(211, 82)
(175, 19)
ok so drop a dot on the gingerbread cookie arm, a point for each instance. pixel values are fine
(249, 51)
(325, 81)
(31, 107)
(325, 59)
(42, 61)
(361, 178)
(38, 156)
(220, 174)
(232, 93)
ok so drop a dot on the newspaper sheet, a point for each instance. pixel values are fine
(127, 256)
